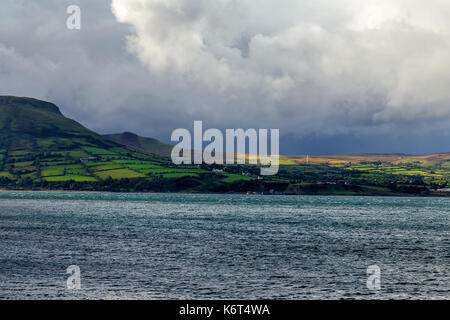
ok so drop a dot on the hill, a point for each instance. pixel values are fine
(40, 148)
(430, 159)
(30, 125)
(149, 145)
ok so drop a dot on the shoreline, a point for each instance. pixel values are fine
(393, 195)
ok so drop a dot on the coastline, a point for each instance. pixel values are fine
(395, 195)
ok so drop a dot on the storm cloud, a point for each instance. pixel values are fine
(334, 76)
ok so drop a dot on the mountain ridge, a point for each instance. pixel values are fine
(13, 101)
(34, 125)
(146, 144)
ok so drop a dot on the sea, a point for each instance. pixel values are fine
(94, 245)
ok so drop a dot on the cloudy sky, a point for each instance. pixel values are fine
(335, 76)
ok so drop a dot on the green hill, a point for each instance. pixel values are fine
(30, 125)
(149, 145)
(42, 149)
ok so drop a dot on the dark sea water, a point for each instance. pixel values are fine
(178, 246)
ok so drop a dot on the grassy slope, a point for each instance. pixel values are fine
(38, 143)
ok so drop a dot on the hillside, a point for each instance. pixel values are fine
(430, 159)
(149, 145)
(41, 148)
(34, 126)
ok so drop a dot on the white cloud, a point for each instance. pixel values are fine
(387, 61)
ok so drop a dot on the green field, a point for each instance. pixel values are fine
(52, 171)
(76, 178)
(6, 175)
(119, 174)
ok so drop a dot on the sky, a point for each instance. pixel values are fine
(335, 76)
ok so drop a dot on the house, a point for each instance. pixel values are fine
(90, 159)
